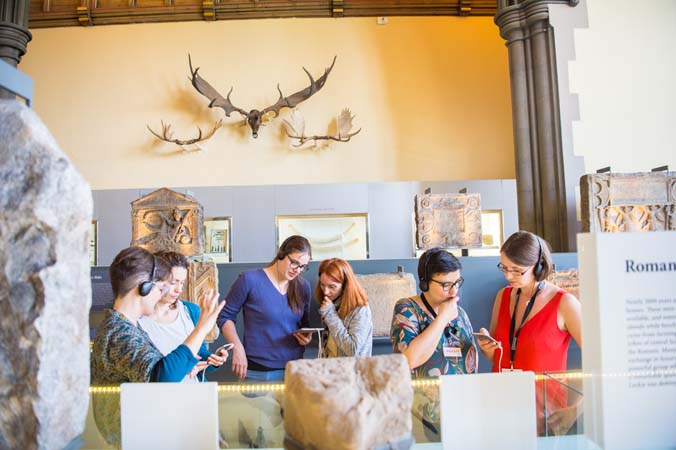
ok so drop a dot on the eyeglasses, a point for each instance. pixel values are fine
(505, 270)
(293, 264)
(447, 286)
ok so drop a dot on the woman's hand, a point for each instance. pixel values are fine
(200, 366)
(211, 307)
(325, 302)
(217, 360)
(239, 363)
(303, 338)
(487, 347)
(559, 422)
(448, 310)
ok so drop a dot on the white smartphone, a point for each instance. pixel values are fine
(308, 330)
(227, 346)
(484, 337)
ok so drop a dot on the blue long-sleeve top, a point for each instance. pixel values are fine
(269, 321)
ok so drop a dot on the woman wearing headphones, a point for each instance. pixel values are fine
(344, 310)
(276, 303)
(123, 352)
(431, 329)
(538, 318)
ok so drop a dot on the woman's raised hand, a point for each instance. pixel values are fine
(211, 307)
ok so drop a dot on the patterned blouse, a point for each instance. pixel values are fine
(409, 320)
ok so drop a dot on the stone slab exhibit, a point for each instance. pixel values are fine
(628, 292)
(622, 202)
(448, 220)
(202, 276)
(383, 290)
(45, 290)
(348, 403)
(168, 220)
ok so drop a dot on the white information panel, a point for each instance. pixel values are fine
(169, 416)
(628, 295)
(488, 411)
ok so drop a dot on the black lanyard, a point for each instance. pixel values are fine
(514, 337)
(447, 331)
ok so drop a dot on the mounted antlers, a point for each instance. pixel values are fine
(167, 134)
(255, 117)
(295, 128)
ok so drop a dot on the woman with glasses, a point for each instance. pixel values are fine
(276, 303)
(431, 329)
(174, 319)
(345, 311)
(532, 323)
(123, 352)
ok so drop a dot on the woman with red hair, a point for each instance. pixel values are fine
(344, 310)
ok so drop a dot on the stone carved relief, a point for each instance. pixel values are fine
(383, 290)
(167, 220)
(448, 220)
(202, 276)
(568, 280)
(619, 202)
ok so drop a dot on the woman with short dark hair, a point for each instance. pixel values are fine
(538, 318)
(123, 352)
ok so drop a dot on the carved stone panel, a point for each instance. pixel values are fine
(568, 280)
(622, 202)
(383, 290)
(167, 220)
(202, 276)
(448, 220)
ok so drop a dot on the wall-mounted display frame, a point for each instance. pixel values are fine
(331, 235)
(93, 243)
(218, 239)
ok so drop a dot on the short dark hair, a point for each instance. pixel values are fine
(134, 265)
(525, 248)
(437, 260)
(174, 259)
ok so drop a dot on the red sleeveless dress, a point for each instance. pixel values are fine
(542, 347)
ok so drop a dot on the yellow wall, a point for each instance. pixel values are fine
(431, 94)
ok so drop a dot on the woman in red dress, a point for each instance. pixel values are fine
(532, 322)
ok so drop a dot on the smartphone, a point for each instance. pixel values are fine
(308, 330)
(484, 337)
(224, 347)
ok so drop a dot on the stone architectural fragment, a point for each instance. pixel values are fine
(45, 291)
(448, 220)
(167, 220)
(618, 202)
(383, 290)
(348, 403)
(568, 280)
(202, 276)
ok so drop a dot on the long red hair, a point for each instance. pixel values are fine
(340, 271)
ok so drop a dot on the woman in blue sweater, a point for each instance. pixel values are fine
(276, 302)
(123, 352)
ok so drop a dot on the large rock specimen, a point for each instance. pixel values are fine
(45, 292)
(348, 403)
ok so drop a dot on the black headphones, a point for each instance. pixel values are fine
(539, 266)
(424, 281)
(147, 286)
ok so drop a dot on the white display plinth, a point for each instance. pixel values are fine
(488, 411)
(169, 416)
(628, 295)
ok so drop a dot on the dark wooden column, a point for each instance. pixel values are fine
(540, 181)
(14, 34)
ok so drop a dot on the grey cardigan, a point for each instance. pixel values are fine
(351, 337)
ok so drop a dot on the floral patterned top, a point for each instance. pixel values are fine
(409, 320)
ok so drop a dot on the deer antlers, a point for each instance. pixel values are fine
(255, 117)
(295, 128)
(167, 135)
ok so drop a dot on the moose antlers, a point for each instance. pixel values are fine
(167, 134)
(255, 117)
(295, 128)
